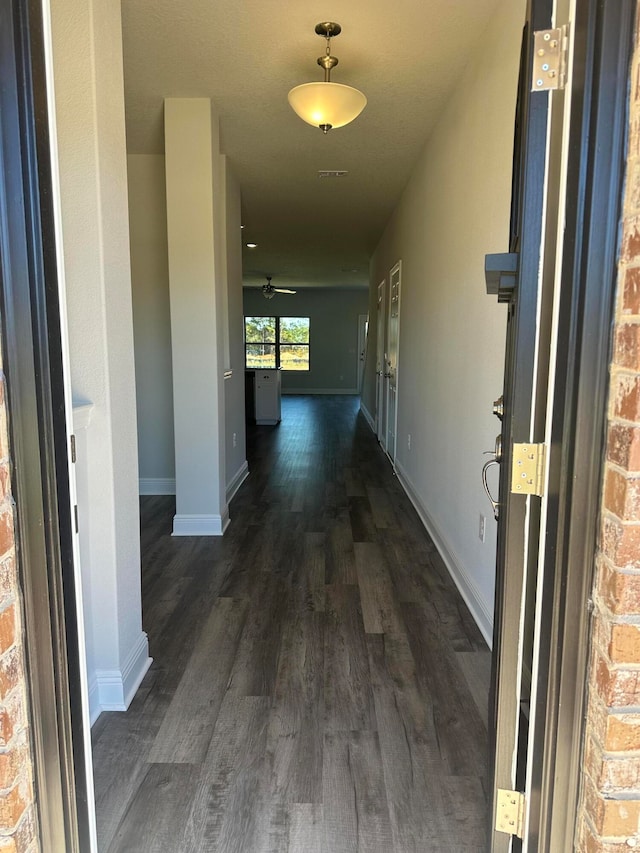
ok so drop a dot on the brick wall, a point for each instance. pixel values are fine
(609, 816)
(17, 809)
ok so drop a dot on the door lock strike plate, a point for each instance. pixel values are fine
(527, 473)
(510, 812)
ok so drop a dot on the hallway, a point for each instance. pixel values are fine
(318, 685)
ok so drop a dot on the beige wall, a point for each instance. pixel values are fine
(151, 320)
(454, 210)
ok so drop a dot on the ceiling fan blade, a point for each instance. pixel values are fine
(283, 290)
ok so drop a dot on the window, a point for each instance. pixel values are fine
(277, 342)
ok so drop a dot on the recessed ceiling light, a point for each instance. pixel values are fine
(252, 245)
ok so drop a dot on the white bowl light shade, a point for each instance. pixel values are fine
(327, 103)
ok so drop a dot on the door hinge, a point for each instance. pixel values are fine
(510, 812)
(527, 472)
(550, 49)
(73, 448)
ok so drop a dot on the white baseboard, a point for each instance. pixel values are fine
(200, 525)
(348, 391)
(113, 689)
(466, 585)
(368, 417)
(237, 480)
(157, 485)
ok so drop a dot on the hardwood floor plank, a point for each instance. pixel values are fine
(476, 668)
(362, 527)
(188, 725)
(306, 828)
(381, 507)
(161, 801)
(296, 716)
(380, 610)
(347, 685)
(461, 733)
(256, 662)
(230, 809)
(339, 555)
(409, 751)
(356, 817)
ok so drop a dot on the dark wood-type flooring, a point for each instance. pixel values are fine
(318, 685)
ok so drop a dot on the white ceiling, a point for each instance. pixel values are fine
(246, 55)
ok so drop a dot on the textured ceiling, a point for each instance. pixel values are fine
(245, 55)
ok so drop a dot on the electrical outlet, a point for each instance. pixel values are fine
(481, 528)
(235, 440)
(409, 441)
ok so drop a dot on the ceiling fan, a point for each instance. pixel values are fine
(269, 291)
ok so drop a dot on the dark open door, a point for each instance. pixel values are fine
(557, 282)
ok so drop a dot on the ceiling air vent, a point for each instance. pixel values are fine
(332, 173)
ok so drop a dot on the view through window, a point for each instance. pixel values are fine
(272, 342)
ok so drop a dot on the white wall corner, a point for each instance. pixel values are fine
(157, 485)
(367, 416)
(200, 525)
(94, 699)
(466, 586)
(237, 480)
(117, 687)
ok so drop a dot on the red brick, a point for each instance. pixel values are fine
(622, 733)
(8, 845)
(620, 590)
(8, 579)
(617, 688)
(25, 833)
(611, 818)
(11, 671)
(622, 495)
(619, 542)
(13, 804)
(631, 240)
(6, 726)
(7, 627)
(627, 346)
(625, 393)
(623, 447)
(624, 646)
(6, 529)
(631, 285)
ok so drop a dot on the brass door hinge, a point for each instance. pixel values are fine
(550, 49)
(527, 472)
(510, 812)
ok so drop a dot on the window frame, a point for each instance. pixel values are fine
(277, 343)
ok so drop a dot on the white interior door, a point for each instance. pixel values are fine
(363, 328)
(391, 362)
(380, 380)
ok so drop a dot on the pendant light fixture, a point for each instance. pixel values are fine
(326, 104)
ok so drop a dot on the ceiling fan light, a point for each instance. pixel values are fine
(327, 104)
